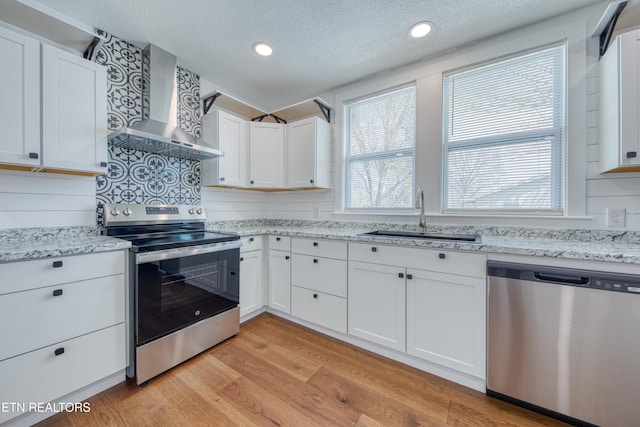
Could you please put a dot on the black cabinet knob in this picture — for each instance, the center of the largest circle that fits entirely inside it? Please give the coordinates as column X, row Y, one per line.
column 57, row 264
column 374, row 249
column 287, row 257
column 315, row 243
column 401, row 275
column 222, row 179
column 315, row 296
column 251, row 239
column 33, row 155
column 251, row 182
column 311, row 181
column 241, row 259
column 631, row 154
column 103, row 164
column 57, row 292
column 315, row 260
column 278, row 239
column 59, row 351
column 441, row 256
column 409, row 276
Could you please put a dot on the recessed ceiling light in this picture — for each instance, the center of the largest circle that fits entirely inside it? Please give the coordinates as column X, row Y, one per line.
column 262, row 49
column 420, row 29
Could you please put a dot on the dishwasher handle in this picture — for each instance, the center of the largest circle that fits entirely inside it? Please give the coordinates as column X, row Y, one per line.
column 559, row 278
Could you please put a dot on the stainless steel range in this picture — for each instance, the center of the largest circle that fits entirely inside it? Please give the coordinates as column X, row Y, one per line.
column 184, row 283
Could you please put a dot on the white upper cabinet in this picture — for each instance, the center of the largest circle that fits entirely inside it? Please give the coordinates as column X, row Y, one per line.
column 266, row 155
column 229, row 134
column 53, row 108
column 20, row 99
column 619, row 74
column 308, row 153
column 74, row 112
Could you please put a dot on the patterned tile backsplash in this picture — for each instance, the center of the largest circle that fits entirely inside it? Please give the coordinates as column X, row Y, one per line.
column 135, row 176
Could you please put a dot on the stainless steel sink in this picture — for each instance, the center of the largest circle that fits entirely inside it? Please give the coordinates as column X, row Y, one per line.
column 423, row 235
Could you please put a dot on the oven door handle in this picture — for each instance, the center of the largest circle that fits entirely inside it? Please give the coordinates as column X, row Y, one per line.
column 146, row 257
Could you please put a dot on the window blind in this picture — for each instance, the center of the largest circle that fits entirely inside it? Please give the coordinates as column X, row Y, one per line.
column 503, row 135
column 379, row 151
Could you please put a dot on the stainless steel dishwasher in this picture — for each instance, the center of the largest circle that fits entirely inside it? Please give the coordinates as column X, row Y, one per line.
column 565, row 342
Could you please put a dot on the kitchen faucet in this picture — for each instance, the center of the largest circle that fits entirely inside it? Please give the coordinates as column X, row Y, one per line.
column 420, row 205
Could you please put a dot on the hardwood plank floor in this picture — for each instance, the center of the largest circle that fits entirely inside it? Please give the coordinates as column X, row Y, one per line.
column 275, row 372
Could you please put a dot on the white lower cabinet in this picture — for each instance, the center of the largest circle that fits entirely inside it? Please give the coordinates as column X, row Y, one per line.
column 436, row 299
column 322, row 309
column 280, row 273
column 62, row 325
column 250, row 276
column 446, row 320
column 377, row 296
column 319, row 282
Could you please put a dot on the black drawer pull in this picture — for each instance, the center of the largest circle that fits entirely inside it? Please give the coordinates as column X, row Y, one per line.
column 232, row 273
column 315, row 243
column 222, row 179
column 315, row 295
column 103, row 164
column 441, row 256
column 315, row 260
column 251, row 239
column 33, row 155
column 250, row 182
column 631, row 154
column 241, row 258
column 409, row 276
column 59, row 351
column 57, row 292
column 286, row 257
column 311, row 181
column 401, row 275
column 57, row 264
column 278, row 239
column 374, row 249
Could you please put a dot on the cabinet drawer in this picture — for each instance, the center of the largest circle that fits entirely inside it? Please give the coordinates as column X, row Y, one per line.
column 444, row 261
column 320, row 274
column 40, row 317
column 319, row 248
column 41, row 376
column 250, row 243
column 280, row 243
column 56, row 270
column 316, row 307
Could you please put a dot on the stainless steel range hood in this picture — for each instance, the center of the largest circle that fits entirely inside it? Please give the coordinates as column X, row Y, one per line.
column 158, row 132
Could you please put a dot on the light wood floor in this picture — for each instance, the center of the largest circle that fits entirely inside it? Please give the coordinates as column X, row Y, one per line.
column 275, row 373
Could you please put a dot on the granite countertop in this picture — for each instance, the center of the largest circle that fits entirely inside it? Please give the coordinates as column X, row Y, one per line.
column 27, row 244
column 620, row 247
column 607, row 246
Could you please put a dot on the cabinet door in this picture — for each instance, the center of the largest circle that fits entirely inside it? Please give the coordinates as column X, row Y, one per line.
column 280, row 280
column 446, row 320
column 250, row 282
column 377, row 304
column 230, row 134
column 266, row 155
column 74, row 112
column 308, row 153
column 20, row 99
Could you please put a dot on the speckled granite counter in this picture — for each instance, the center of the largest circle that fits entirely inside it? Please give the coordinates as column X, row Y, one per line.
column 620, row 247
column 33, row 243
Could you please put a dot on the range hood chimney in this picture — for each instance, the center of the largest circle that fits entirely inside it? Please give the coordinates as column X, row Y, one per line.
column 158, row 131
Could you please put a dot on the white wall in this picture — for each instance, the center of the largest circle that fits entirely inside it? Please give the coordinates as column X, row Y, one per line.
column 228, row 204
column 598, row 192
column 46, row 200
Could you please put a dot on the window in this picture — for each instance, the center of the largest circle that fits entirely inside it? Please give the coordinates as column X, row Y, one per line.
column 379, row 151
column 504, row 135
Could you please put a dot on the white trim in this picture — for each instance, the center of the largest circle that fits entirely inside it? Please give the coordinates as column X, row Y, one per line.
column 428, row 78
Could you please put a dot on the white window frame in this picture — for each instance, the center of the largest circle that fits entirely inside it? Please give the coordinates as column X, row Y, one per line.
column 581, row 57
column 389, row 154
column 519, row 137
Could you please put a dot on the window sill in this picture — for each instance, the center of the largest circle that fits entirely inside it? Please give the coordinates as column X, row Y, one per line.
column 405, row 214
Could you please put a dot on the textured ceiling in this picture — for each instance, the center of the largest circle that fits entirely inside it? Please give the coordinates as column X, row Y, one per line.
column 319, row 45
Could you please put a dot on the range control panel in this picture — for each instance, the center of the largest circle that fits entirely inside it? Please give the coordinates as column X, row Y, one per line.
column 123, row 214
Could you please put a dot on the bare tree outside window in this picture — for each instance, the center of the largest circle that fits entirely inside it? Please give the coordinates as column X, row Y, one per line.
column 380, row 151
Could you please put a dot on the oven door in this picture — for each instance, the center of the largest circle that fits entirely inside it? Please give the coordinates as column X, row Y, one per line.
column 177, row 287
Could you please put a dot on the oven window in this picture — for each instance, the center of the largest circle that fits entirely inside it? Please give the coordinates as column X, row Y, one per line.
column 174, row 293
